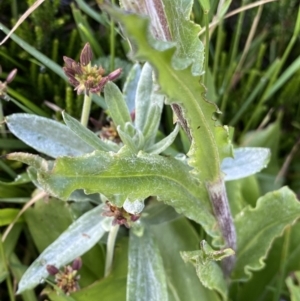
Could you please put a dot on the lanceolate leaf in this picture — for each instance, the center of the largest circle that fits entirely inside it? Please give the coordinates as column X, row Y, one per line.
column 258, row 227
column 128, row 176
column 210, row 142
column 86, row 135
column 146, row 280
column 81, row 236
column 47, row 136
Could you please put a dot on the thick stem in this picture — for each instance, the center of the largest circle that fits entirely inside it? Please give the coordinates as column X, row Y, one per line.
column 86, row 110
column 218, row 197
column 112, row 235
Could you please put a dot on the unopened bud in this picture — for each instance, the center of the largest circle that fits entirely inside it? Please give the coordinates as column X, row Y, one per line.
column 86, row 55
column 115, row 74
column 52, row 270
column 11, row 76
column 77, row 264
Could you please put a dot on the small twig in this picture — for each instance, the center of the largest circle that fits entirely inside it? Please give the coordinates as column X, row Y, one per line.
column 31, row 9
column 25, row 207
column 236, row 11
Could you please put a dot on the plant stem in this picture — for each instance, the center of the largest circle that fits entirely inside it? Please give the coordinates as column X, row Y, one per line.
column 112, row 235
column 218, row 197
column 112, row 42
column 8, row 279
column 86, row 110
column 284, row 257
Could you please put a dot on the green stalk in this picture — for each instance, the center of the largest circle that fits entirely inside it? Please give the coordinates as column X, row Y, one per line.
column 2, row 127
column 112, row 42
column 112, row 235
column 8, row 279
column 206, row 47
column 283, row 261
column 219, row 44
column 86, row 110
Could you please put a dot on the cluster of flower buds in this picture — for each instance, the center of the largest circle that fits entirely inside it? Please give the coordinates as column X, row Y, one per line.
column 3, row 85
column 85, row 77
column 66, row 280
column 120, row 215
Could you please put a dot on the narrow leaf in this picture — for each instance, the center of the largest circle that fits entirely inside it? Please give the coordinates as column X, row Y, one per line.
column 246, row 162
column 46, row 136
column 35, row 53
column 163, row 144
column 116, row 105
column 81, row 236
column 86, row 135
column 143, row 97
column 130, row 86
column 146, row 280
column 258, row 227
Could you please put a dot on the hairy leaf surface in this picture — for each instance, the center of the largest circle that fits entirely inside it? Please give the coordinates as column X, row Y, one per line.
column 126, row 175
column 81, row 236
column 146, row 280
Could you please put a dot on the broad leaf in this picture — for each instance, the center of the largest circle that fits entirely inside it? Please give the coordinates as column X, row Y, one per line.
column 247, row 161
column 257, row 228
column 81, row 236
column 46, row 136
column 183, row 283
column 126, row 175
column 146, row 278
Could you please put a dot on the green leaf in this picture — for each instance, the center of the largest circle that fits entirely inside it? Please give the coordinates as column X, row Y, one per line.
column 86, row 135
column 209, row 272
column 210, row 142
column 46, row 136
column 257, row 228
column 182, row 281
column 128, row 176
column 294, row 288
column 81, row 236
column 8, row 215
column 54, row 217
column 130, row 86
column 247, row 161
column 163, row 144
column 116, row 105
column 146, row 277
